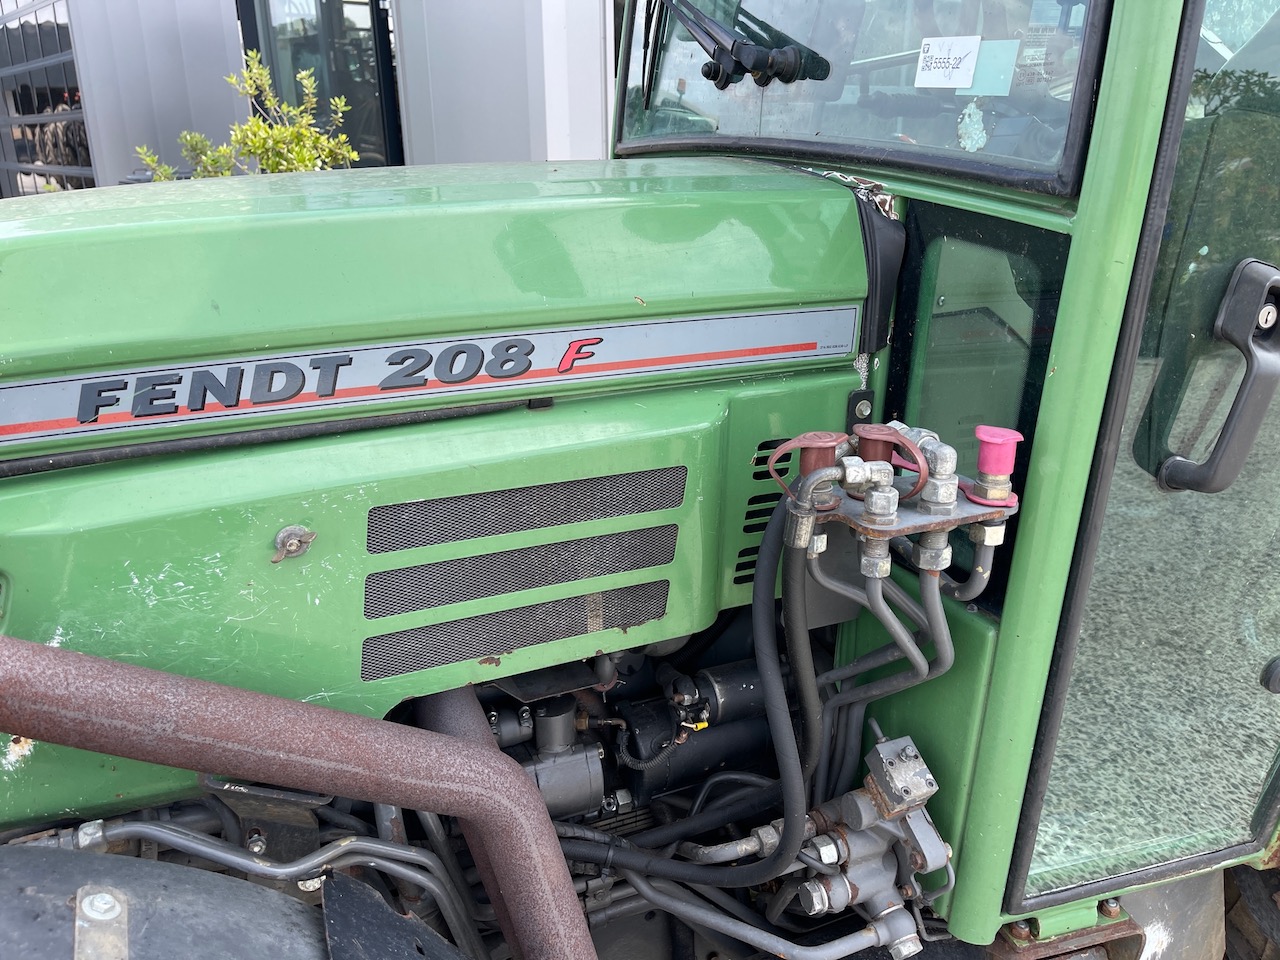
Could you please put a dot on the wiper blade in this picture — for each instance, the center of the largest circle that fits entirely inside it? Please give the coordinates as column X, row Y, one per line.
column 764, row 52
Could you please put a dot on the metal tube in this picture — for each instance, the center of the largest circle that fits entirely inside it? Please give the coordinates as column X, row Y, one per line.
column 116, row 708
column 676, row 901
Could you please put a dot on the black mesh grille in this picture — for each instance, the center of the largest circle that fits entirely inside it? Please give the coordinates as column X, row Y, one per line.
column 426, row 523
column 496, row 634
column 430, row 585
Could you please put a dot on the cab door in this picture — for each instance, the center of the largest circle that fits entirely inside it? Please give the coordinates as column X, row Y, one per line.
column 1158, row 744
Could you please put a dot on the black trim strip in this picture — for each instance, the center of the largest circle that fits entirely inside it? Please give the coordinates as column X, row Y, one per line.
column 1105, row 455
column 220, row 441
column 1065, row 181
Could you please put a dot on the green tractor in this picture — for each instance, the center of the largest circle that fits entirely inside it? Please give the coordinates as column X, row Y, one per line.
column 837, row 523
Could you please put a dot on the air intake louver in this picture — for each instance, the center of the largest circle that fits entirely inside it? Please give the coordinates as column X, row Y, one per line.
column 428, row 523
column 428, row 585
column 568, row 558
column 760, row 505
column 497, row 634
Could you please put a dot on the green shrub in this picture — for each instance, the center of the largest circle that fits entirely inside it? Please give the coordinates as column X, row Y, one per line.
column 277, row 138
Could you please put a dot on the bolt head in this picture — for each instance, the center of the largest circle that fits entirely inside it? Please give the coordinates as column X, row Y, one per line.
column 862, row 410
column 257, row 846
column 987, row 535
column 1020, row 930
column 1109, row 908
column 813, row 898
column 908, row 946
column 825, row 849
column 101, row 906
column 312, row 885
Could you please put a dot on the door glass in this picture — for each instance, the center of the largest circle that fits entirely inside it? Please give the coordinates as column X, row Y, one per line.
column 1168, row 739
column 347, row 44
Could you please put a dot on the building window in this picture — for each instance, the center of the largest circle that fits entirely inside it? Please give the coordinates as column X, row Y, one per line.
column 43, row 141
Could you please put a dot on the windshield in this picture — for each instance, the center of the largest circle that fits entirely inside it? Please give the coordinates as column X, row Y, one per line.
column 983, row 85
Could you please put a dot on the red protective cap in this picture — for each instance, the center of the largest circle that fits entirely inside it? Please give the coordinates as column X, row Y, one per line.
column 997, row 449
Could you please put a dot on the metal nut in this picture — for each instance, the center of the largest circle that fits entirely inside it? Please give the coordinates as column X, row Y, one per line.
column 1021, row 930
column 908, row 946
column 101, row 906
column 312, row 885
column 256, row 845
column 824, row 849
column 292, row 541
column 931, row 558
column 817, row 545
column 880, row 504
column 769, row 837
column 987, row 534
column 812, row 898
column 1109, row 908
column 997, row 489
column 943, row 490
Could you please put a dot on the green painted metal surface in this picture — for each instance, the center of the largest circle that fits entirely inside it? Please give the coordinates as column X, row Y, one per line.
column 207, row 270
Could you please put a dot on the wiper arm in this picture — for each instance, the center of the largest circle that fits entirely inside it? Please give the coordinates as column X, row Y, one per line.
column 767, row 53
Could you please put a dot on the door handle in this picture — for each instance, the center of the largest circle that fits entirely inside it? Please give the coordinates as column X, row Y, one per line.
column 1247, row 319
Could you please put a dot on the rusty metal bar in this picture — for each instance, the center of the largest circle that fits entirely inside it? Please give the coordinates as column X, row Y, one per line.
column 124, row 710
column 457, row 713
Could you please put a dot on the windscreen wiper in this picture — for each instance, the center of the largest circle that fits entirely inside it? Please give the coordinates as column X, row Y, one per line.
column 760, row 49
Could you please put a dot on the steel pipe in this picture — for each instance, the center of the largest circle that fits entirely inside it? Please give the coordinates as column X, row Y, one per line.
column 110, row 707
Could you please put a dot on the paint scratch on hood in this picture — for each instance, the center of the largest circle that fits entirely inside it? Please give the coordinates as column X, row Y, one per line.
column 56, row 639
column 16, row 753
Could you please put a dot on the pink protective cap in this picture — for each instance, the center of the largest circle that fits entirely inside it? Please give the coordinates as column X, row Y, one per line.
column 997, row 448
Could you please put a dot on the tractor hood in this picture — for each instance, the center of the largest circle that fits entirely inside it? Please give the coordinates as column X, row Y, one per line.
column 145, row 313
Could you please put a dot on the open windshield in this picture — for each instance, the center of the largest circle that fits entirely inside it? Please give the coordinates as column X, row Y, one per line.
column 997, row 88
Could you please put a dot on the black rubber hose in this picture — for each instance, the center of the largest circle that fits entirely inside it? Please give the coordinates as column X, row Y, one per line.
column 795, row 623
column 778, row 712
column 759, row 802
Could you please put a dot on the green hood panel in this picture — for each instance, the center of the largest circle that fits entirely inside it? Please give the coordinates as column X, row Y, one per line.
column 123, row 280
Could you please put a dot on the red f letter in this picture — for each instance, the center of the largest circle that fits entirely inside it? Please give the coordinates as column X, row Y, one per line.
column 577, row 351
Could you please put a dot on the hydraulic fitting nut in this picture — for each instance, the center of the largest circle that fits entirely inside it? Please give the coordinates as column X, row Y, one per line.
column 817, row 545
column 941, row 457
column 940, row 491
column 988, row 487
column 908, row 946
column 858, row 473
column 880, row 505
column 812, row 897
column 824, row 849
column 800, row 526
column 874, row 560
column 997, row 450
column 768, row 837
column 927, row 557
column 987, row 534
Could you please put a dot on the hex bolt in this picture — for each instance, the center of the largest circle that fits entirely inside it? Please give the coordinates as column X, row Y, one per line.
column 1267, row 316
column 908, row 946
column 256, row 844
column 101, row 906
column 824, row 849
column 1021, row 930
column 812, row 897
column 312, row 885
column 1109, row 908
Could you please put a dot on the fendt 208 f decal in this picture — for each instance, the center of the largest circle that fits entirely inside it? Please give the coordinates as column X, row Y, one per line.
column 126, row 399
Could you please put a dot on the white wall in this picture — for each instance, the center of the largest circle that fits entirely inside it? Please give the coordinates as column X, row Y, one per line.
column 494, row 80
column 150, row 69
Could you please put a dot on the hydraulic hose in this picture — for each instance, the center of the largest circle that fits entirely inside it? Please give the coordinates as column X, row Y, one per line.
column 979, row 576
column 902, row 637
column 765, row 799
column 795, row 622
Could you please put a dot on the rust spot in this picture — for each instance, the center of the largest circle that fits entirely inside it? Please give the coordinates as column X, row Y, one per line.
column 491, row 661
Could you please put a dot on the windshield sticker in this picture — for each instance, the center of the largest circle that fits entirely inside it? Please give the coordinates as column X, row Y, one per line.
column 363, row 375
column 993, row 75
column 947, row 63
